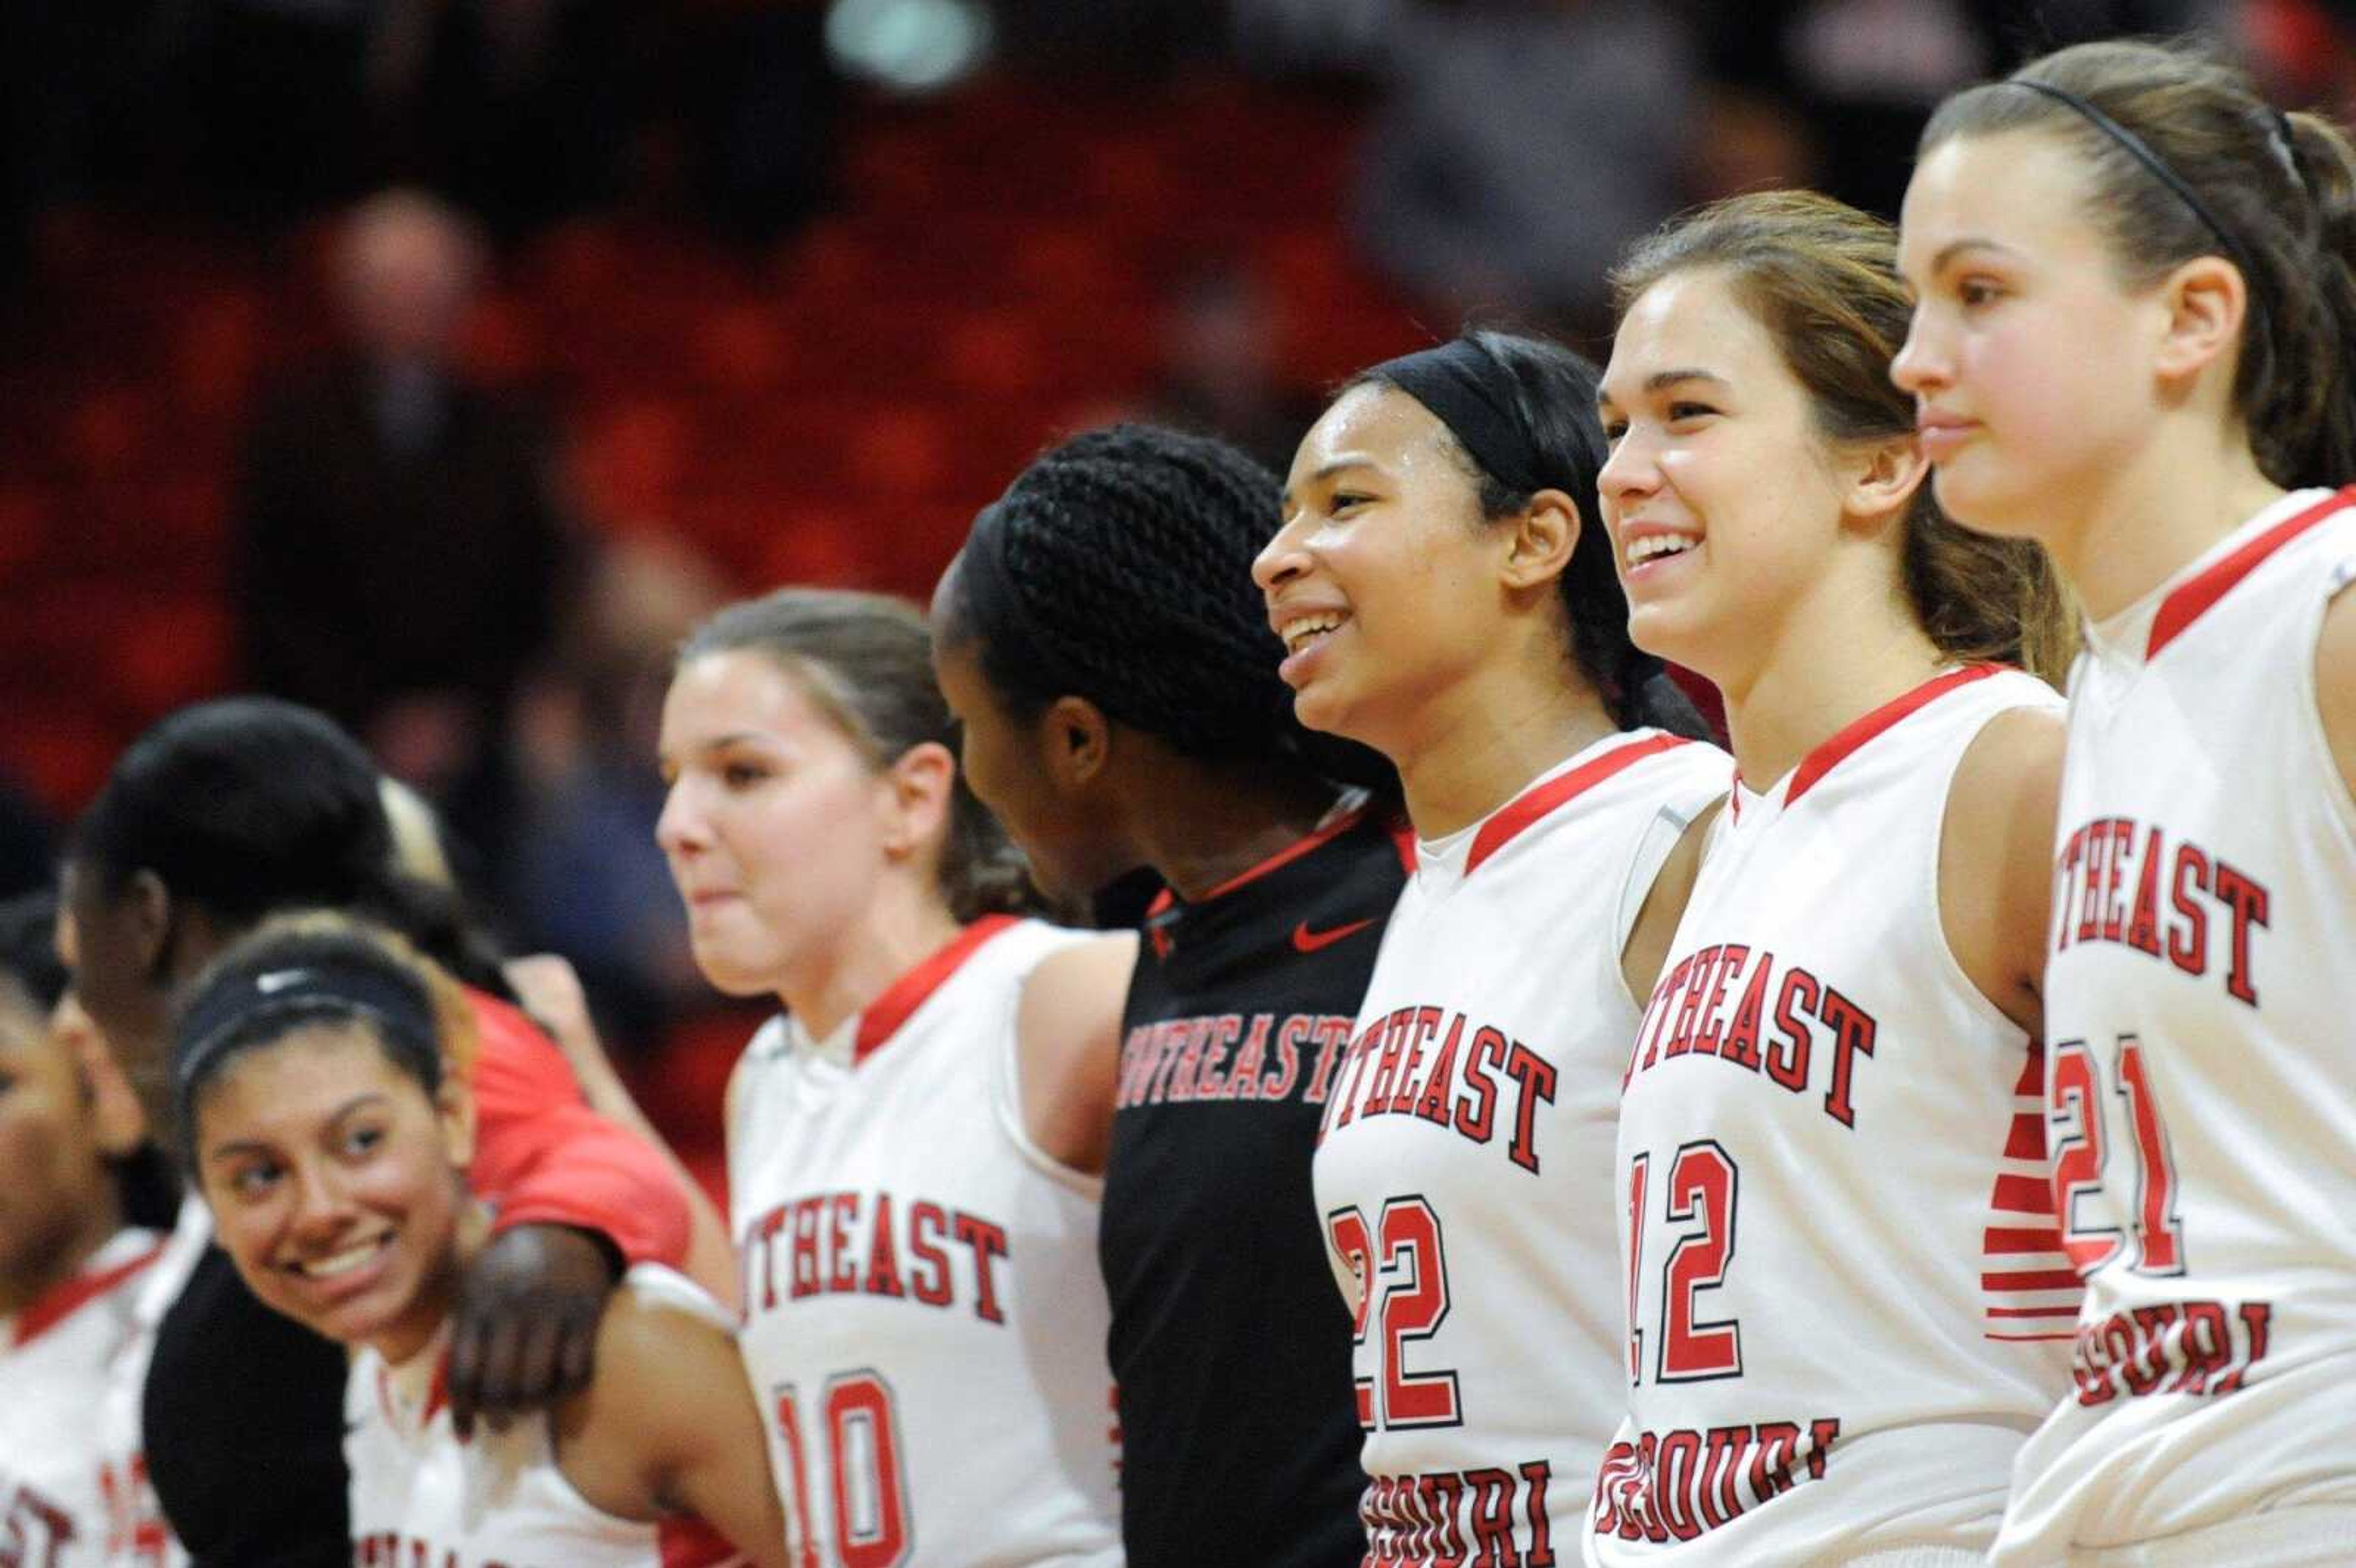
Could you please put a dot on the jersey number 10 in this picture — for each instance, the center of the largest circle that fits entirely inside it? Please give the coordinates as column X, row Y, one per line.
column 870, row 1489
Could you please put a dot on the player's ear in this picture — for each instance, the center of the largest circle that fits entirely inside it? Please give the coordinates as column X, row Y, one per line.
column 1883, row 477
column 919, row 785
column 1075, row 742
column 1543, row 538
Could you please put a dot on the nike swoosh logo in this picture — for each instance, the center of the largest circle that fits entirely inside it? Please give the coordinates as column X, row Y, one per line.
column 1307, row 941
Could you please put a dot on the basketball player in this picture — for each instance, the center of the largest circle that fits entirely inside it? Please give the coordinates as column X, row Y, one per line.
column 319, row 1072
column 218, row 815
column 1843, row 1312
column 914, row 1144
column 69, row 1266
column 1277, row 883
column 2133, row 345
column 1447, row 597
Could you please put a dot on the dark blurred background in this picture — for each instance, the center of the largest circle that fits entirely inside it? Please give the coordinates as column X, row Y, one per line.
column 439, row 362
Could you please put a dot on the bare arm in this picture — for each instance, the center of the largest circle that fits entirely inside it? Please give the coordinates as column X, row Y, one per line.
column 1069, row 1032
column 669, row 1426
column 551, row 993
column 1996, row 860
column 2335, row 683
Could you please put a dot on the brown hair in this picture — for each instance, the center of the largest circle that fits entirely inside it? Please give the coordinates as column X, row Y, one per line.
column 1822, row 278
column 2282, row 188
column 866, row 660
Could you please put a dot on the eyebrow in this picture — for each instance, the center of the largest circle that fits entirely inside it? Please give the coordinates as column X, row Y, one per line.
column 1339, row 465
column 1954, row 247
column 256, row 1145
column 1662, row 380
column 715, row 744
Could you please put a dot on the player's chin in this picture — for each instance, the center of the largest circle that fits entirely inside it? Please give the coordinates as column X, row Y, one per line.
column 1677, row 629
column 1323, row 704
column 1976, row 491
column 731, row 971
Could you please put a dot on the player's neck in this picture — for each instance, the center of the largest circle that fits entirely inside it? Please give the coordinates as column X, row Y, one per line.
column 98, row 1223
column 1824, row 673
column 1201, row 826
column 1480, row 745
column 2148, row 520
column 905, row 924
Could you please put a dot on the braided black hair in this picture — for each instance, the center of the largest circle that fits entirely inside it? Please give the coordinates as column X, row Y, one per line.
column 1550, row 393
column 1123, row 576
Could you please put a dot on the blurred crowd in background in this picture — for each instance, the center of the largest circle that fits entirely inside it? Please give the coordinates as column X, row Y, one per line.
column 439, row 362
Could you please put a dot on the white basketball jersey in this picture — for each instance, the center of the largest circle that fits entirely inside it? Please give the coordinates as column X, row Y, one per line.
column 1846, row 1305
column 139, row 1535
column 499, row 1500
column 62, row 1492
column 1463, row 1169
column 924, row 1321
column 2201, row 1003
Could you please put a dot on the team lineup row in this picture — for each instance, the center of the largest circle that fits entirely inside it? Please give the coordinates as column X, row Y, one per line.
column 1518, row 1131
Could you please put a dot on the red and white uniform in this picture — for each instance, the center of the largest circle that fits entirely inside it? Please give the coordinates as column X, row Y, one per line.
column 2201, row 1000
column 67, row 1499
column 1464, row 1170
column 1846, row 1299
column 499, row 1499
column 924, row 1324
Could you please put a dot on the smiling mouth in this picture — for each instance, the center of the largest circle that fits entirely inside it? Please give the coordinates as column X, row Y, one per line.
column 1653, row 547
column 335, row 1266
column 1299, row 634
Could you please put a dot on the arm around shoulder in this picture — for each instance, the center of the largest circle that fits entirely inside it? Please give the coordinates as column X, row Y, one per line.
column 1069, row 1048
column 1996, row 859
column 670, row 1426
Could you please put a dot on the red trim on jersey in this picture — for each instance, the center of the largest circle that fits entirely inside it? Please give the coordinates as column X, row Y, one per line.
column 1837, row 750
column 437, row 1391
column 685, row 1542
column 1164, row 902
column 1284, row 856
column 1520, row 813
column 886, row 1013
column 70, row 1296
column 2185, row 604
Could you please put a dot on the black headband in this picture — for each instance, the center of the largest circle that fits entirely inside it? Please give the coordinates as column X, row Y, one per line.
column 2143, row 155
column 262, row 1004
column 1453, row 382
column 991, row 595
